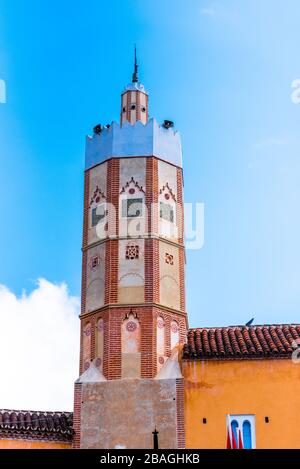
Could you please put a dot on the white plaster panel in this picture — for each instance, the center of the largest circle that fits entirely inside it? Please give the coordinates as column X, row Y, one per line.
column 143, row 99
column 143, row 103
column 95, row 285
column 131, row 335
column 98, row 178
column 160, row 342
column 99, row 343
column 86, row 344
column 174, row 334
column 167, row 183
column 131, row 271
column 167, row 174
column 133, row 167
column 133, row 116
column 169, row 275
column 133, row 112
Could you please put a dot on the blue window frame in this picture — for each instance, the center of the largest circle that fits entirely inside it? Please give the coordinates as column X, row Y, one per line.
column 247, row 438
column 241, row 431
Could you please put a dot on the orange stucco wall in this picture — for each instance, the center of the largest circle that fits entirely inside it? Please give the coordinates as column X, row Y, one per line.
column 32, row 444
column 261, row 387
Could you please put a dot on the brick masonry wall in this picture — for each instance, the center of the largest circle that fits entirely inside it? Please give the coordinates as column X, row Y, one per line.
column 128, row 107
column 84, row 257
column 113, row 175
column 182, row 278
column 106, row 349
column 152, row 245
column 138, row 106
column 112, row 245
column 77, row 415
column 111, row 271
column 180, row 211
column 113, row 316
column 152, row 275
column 180, row 413
column 152, row 192
column 86, row 208
column 85, row 239
column 180, row 219
column 82, row 324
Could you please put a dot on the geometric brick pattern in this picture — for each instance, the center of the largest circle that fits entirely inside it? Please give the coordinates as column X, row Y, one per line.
column 113, row 317
column 77, row 415
column 113, row 313
column 180, row 413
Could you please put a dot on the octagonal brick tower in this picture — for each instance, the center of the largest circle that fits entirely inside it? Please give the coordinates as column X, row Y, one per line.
column 133, row 315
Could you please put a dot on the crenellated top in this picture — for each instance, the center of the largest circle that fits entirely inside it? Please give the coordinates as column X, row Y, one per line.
column 130, row 140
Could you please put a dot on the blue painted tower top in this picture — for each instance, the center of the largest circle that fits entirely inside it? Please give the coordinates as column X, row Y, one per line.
column 136, row 135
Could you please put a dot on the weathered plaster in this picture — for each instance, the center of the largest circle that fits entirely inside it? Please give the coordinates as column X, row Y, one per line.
column 131, row 274
column 125, row 413
column 95, row 286
column 169, row 275
column 98, row 178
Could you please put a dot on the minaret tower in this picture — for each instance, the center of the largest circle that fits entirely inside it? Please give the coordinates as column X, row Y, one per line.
column 133, row 316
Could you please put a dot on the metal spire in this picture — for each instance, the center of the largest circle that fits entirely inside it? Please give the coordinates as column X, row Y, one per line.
column 135, row 73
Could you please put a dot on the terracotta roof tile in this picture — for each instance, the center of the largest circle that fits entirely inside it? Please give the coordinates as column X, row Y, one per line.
column 242, row 342
column 22, row 424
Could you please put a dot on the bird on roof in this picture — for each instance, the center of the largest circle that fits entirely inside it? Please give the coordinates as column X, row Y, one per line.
column 249, row 323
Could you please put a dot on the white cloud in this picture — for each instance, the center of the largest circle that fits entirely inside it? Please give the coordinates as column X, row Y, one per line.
column 269, row 142
column 207, row 11
column 39, row 347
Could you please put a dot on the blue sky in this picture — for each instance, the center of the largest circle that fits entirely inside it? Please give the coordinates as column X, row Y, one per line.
column 223, row 72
